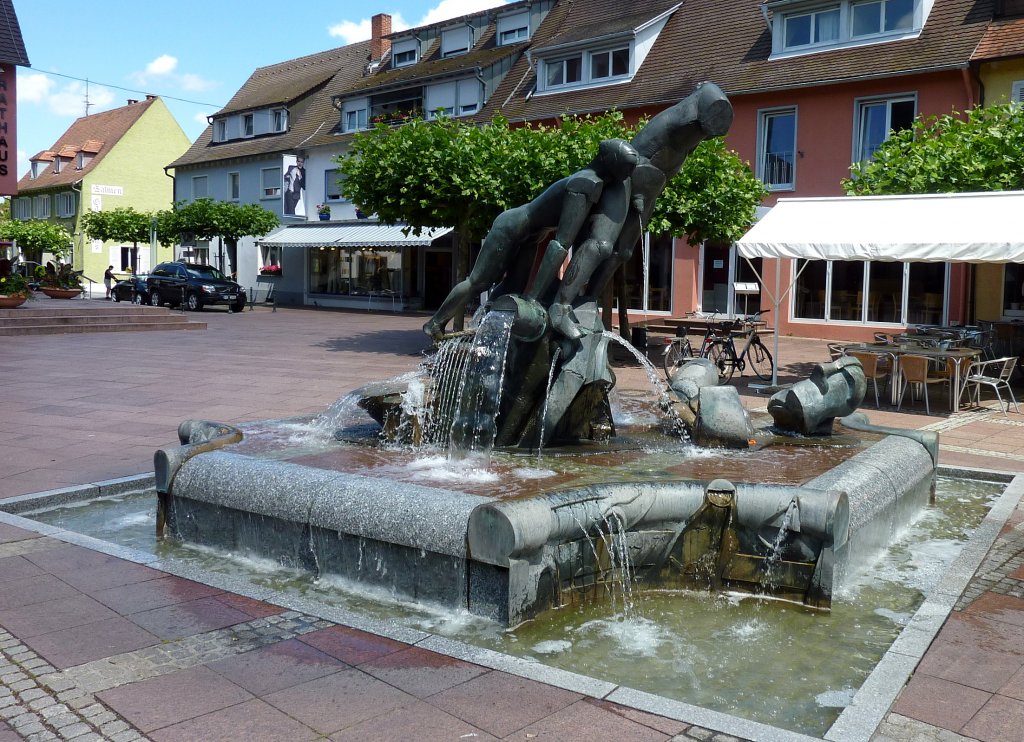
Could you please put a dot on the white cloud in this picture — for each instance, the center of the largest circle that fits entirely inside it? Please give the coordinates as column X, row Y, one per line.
column 195, row 83
column 70, row 100
column 165, row 64
column 34, row 88
column 454, row 8
column 352, row 31
column 200, row 118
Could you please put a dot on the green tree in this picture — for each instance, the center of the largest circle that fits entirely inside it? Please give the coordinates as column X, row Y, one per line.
column 119, row 225
column 449, row 174
column 205, row 219
column 982, row 150
column 37, row 236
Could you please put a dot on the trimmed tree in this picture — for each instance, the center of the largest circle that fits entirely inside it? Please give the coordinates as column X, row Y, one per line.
column 204, row 219
column 450, row 174
column 982, row 150
column 119, row 225
column 36, row 236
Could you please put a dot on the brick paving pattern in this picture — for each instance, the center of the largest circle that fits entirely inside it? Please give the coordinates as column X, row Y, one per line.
column 93, row 647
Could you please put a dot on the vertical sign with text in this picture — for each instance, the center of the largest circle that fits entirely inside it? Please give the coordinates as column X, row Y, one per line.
column 8, row 130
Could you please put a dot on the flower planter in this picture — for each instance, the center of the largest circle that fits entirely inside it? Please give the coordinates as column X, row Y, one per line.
column 324, row 217
column 10, row 302
column 55, row 293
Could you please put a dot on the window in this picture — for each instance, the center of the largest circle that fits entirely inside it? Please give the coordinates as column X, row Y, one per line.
column 870, row 292
column 403, row 52
column 280, row 118
column 877, row 119
column 38, row 167
column 22, row 209
column 220, row 130
column 57, row 164
column 513, row 28
column 456, row 41
column 881, row 16
column 270, row 260
column 234, row 186
column 776, row 152
column 1017, row 92
column 459, row 98
column 816, row 27
column 332, row 185
column 247, row 125
column 355, row 120
column 65, row 204
column 564, row 71
column 84, row 158
column 609, row 64
column 271, row 182
column 347, row 271
column 200, row 187
column 41, row 207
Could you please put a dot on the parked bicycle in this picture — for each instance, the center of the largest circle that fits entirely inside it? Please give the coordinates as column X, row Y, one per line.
column 722, row 351
column 678, row 350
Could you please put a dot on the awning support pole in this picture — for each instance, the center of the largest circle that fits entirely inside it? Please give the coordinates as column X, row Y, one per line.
column 776, row 302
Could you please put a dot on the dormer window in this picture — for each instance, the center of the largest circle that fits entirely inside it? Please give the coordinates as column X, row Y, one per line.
column 280, row 119
column 568, row 71
column 803, row 27
column 220, row 130
column 613, row 63
column 456, row 41
column 881, row 16
column 83, row 159
column 56, row 165
column 404, row 52
column 38, row 166
column 354, row 115
column 247, row 125
column 514, row 28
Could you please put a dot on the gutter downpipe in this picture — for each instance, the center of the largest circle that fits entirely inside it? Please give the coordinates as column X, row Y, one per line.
column 764, row 14
column 81, row 235
column 174, row 200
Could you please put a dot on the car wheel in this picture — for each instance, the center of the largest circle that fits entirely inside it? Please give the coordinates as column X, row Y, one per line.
column 115, row 296
column 154, row 298
column 194, row 303
column 138, row 298
column 238, row 306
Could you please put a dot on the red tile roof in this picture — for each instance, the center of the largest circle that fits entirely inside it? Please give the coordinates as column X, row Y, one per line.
column 1003, row 38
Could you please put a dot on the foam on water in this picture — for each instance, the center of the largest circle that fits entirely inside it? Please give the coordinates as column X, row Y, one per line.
column 526, row 472
column 443, row 469
column 552, row 646
column 636, row 637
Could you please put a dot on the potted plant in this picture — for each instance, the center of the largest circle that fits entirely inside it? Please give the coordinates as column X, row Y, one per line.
column 323, row 211
column 270, row 270
column 14, row 287
column 59, row 280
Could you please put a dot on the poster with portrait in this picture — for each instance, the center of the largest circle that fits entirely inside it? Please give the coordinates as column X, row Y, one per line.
column 293, row 170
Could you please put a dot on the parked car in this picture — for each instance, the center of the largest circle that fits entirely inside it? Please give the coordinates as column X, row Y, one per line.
column 196, row 285
column 133, row 289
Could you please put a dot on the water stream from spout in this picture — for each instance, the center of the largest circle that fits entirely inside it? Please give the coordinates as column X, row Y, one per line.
column 547, row 394
column 770, row 576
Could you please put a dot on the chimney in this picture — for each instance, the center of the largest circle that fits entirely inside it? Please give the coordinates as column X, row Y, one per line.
column 150, row 97
column 132, row 101
column 380, row 26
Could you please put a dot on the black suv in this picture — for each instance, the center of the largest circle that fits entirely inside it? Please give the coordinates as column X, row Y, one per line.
column 195, row 285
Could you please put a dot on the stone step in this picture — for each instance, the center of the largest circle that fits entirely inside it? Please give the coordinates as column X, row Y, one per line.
column 7, row 330
column 49, row 317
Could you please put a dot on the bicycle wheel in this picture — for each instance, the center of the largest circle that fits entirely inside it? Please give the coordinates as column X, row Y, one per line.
column 721, row 354
column 760, row 360
column 676, row 354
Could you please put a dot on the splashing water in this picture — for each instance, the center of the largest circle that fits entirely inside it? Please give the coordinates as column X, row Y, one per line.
column 770, row 578
column 657, row 383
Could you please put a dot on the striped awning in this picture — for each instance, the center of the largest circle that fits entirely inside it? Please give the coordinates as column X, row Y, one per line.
column 349, row 234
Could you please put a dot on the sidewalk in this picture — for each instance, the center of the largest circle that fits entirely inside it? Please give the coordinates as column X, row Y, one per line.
column 102, row 648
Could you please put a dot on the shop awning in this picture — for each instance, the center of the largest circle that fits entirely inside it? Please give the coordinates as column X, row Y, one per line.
column 958, row 227
column 348, row 234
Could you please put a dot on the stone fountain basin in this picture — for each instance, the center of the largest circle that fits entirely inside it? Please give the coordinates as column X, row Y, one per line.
column 509, row 559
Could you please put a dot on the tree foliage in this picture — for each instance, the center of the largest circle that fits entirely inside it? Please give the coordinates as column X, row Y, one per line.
column 118, row 225
column 37, row 236
column 205, row 219
column 982, row 150
column 446, row 173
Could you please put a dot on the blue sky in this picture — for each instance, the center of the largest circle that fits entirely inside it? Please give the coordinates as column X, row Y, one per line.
column 196, row 51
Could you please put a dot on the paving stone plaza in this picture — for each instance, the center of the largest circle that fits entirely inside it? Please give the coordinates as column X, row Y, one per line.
column 96, row 646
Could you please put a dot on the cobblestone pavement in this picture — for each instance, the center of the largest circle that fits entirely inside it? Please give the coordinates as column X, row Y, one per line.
column 93, row 647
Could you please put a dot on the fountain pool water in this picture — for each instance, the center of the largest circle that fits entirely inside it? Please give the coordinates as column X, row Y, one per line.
column 758, row 658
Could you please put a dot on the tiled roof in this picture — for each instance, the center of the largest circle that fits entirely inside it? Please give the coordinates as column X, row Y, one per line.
column 311, row 115
column 728, row 43
column 509, row 7
column 104, row 128
column 568, row 34
column 12, row 46
column 287, row 81
column 1003, row 38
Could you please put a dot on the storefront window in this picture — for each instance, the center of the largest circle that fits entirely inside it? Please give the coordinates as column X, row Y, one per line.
column 270, row 260
column 847, row 299
column 812, row 277
column 1013, row 287
column 885, row 292
column 654, row 294
column 926, row 293
column 347, row 271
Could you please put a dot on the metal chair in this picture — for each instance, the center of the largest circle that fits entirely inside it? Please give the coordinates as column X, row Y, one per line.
column 876, row 366
column 995, row 374
column 915, row 370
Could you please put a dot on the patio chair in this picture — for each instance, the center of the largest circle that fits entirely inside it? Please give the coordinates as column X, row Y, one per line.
column 876, row 366
column 916, row 370
column 835, row 350
column 955, row 370
column 995, row 374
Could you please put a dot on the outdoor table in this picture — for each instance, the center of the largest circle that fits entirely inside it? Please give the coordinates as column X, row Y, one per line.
column 939, row 354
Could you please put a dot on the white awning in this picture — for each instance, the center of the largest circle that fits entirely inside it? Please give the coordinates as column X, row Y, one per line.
column 348, row 234
column 958, row 227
